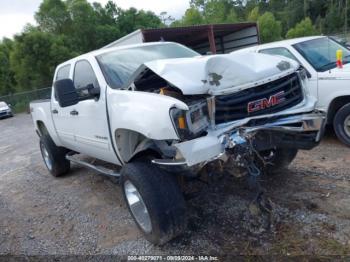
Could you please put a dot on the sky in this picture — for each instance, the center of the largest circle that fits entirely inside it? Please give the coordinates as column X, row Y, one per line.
column 15, row 14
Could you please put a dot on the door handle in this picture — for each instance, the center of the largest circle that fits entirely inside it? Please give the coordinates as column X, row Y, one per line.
column 74, row 112
column 55, row 111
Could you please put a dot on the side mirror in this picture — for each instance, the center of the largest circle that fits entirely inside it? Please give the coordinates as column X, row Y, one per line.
column 66, row 93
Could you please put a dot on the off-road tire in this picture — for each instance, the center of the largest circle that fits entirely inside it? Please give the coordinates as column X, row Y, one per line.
column 281, row 160
column 341, row 116
column 162, row 197
column 59, row 164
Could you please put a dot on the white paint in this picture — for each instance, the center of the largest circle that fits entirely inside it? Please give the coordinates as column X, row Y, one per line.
column 237, row 72
column 325, row 86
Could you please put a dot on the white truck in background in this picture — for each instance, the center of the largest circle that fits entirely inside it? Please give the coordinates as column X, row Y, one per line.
column 328, row 83
column 163, row 112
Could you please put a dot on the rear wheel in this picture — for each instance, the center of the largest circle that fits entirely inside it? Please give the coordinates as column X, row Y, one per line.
column 54, row 157
column 341, row 124
column 278, row 159
column 154, row 200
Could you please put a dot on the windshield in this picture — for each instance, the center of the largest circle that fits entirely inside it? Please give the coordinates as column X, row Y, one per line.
column 321, row 53
column 119, row 65
column 2, row 104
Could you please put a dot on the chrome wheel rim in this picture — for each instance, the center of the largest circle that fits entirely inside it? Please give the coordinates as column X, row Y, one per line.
column 137, row 206
column 46, row 156
column 347, row 125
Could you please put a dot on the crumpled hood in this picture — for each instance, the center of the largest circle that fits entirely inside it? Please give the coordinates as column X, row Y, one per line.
column 218, row 74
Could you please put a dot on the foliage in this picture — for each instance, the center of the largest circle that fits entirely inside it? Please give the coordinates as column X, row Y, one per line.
column 209, row 12
column 192, row 17
column 304, row 28
column 66, row 28
column 53, row 17
column 253, row 15
column 7, row 81
column 34, row 57
column 270, row 29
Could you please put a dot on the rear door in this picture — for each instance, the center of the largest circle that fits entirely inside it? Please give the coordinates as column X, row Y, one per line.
column 62, row 118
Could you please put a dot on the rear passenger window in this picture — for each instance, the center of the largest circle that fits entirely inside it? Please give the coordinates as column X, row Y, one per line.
column 63, row 72
column 84, row 75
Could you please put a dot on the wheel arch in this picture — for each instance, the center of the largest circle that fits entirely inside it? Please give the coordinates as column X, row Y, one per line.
column 132, row 144
column 335, row 105
column 41, row 128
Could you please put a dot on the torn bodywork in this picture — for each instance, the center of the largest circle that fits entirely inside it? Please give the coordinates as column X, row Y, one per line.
column 242, row 109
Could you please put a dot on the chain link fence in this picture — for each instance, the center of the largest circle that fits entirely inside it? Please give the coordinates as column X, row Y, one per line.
column 20, row 101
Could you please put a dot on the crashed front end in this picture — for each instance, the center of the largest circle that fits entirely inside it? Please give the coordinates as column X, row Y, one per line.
column 275, row 112
column 291, row 129
column 239, row 105
column 299, row 126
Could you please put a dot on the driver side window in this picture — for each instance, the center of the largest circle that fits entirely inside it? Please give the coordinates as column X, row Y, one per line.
column 84, row 75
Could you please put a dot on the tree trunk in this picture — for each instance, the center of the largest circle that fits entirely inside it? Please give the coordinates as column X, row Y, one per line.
column 346, row 20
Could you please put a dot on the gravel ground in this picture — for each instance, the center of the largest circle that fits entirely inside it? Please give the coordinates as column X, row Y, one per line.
column 84, row 213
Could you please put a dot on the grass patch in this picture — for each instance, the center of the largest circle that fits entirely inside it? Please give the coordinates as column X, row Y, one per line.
column 290, row 241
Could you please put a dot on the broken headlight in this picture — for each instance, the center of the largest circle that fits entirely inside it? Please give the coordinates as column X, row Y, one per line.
column 192, row 123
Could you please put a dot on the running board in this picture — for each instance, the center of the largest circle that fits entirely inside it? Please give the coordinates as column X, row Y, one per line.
column 100, row 169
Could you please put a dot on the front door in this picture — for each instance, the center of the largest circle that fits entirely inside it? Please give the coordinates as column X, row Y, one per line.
column 91, row 123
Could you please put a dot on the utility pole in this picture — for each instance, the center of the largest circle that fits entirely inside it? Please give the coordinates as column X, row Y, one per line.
column 305, row 8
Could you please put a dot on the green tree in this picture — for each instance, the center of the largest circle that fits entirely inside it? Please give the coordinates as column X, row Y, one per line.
column 254, row 14
column 209, row 12
column 334, row 21
column 219, row 11
column 132, row 19
column 34, row 58
column 53, row 17
column 7, row 81
column 304, row 28
column 270, row 29
column 192, row 16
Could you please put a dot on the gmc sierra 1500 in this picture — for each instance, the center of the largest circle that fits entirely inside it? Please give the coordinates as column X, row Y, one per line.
column 162, row 111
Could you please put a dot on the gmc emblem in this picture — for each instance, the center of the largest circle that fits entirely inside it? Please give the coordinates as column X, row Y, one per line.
column 264, row 103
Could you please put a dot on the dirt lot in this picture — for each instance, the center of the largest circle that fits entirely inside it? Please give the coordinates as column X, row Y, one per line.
column 83, row 213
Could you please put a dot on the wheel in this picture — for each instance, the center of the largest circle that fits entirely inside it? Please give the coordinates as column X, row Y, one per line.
column 341, row 124
column 278, row 159
column 54, row 157
column 154, row 200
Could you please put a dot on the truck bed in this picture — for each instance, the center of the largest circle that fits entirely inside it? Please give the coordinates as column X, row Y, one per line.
column 40, row 101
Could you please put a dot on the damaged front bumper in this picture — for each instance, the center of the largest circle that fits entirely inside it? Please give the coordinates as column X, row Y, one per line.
column 301, row 131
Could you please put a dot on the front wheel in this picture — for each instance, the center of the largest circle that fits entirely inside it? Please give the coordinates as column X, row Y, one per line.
column 341, row 124
column 154, row 200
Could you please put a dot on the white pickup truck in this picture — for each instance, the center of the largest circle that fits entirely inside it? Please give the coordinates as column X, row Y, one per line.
column 328, row 83
column 163, row 112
